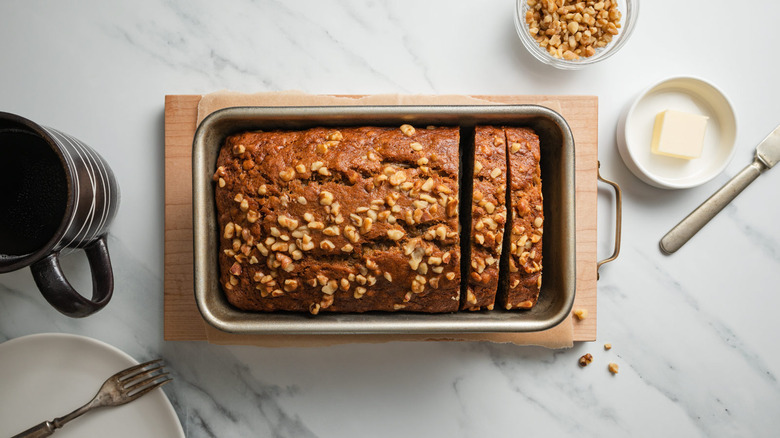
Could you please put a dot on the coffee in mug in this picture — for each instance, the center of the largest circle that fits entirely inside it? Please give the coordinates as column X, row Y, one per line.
column 57, row 195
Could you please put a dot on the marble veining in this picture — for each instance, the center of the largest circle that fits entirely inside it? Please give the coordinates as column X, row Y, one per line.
column 694, row 334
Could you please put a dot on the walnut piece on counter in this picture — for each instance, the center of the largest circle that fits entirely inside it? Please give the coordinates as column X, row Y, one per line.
column 585, row 359
column 613, row 367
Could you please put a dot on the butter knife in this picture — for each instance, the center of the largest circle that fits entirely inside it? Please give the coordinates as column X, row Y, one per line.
column 767, row 155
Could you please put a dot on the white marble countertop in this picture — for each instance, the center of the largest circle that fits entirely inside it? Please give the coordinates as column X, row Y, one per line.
column 694, row 333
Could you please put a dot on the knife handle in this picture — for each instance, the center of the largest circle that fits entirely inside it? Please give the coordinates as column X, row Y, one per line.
column 682, row 232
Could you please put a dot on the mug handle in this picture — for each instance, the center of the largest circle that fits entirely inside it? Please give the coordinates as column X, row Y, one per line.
column 58, row 291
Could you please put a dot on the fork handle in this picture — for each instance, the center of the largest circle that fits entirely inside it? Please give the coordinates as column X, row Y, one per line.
column 46, row 428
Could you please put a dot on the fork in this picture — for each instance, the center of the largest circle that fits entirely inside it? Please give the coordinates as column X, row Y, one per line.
column 123, row 387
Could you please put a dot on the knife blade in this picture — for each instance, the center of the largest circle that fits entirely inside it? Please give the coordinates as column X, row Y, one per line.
column 767, row 155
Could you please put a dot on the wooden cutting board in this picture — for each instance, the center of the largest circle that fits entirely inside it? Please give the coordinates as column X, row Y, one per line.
column 182, row 320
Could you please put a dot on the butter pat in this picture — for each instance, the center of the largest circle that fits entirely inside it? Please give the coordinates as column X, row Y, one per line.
column 679, row 134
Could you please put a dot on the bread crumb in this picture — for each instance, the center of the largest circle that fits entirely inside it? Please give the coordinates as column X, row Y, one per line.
column 613, row 367
column 581, row 314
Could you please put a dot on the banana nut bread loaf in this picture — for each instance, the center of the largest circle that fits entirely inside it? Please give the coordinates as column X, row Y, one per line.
column 342, row 220
column 526, row 220
column 488, row 217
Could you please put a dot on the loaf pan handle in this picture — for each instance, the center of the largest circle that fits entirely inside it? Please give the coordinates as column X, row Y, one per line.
column 618, row 221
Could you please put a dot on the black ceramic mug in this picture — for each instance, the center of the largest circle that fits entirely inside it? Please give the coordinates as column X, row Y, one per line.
column 56, row 195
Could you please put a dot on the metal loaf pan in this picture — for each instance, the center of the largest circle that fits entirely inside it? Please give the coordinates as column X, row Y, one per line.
column 557, row 162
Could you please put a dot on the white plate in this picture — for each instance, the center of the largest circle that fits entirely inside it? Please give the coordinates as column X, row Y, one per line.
column 48, row 375
column 693, row 95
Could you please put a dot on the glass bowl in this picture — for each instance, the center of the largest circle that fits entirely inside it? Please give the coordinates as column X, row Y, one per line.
column 630, row 13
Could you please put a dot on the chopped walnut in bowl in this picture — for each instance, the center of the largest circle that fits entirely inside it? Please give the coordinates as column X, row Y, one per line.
column 570, row 34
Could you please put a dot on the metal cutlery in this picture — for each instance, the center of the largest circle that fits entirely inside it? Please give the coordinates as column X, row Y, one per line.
column 767, row 155
column 123, row 387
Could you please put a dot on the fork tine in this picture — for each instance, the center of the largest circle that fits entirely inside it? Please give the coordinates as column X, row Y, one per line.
column 130, row 384
column 153, row 384
column 132, row 370
column 141, row 374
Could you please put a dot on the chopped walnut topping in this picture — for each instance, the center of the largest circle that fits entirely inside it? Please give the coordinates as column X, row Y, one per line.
column 515, row 147
column 279, row 246
column 452, row 207
column 366, row 225
column 287, row 222
column 370, row 264
column 331, row 231
column 441, row 232
column 351, row 233
column 428, row 198
column 287, row 174
column 395, row 234
column 290, row 285
column 416, row 146
column 417, row 287
column 441, row 188
column 326, row 197
column 330, row 287
column 397, row 178
column 357, row 220
column 408, row 130
column 315, row 225
column 230, row 229
column 335, row 136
